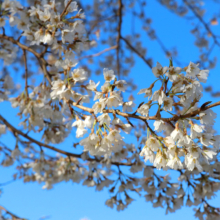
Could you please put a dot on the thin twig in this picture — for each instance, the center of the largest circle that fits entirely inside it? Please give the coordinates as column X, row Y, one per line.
column 120, row 5
column 65, row 9
column 202, row 21
column 26, row 72
column 37, row 55
column 99, row 53
column 18, row 132
column 127, row 115
column 137, row 52
column 10, row 213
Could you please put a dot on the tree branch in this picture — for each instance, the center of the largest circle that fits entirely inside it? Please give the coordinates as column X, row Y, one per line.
column 202, row 21
column 137, row 52
column 120, row 5
column 69, row 154
column 99, row 53
column 37, row 55
column 10, row 213
column 65, row 9
column 127, row 115
column 26, row 72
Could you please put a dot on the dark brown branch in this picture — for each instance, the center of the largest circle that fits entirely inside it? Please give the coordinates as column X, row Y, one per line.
column 202, row 21
column 99, row 53
column 26, row 72
column 137, row 52
column 10, row 213
column 120, row 5
column 127, row 115
column 37, row 55
column 65, row 9
column 18, row 132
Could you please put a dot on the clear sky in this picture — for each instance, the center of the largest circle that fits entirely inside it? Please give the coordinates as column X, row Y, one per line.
column 67, row 201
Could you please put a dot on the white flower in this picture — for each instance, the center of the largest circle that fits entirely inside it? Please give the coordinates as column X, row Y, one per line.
column 72, row 7
column 108, row 75
column 159, row 70
column 47, row 38
column 203, row 75
column 195, row 130
column 79, row 75
column 206, row 139
column 44, row 15
column 148, row 154
column 170, row 144
column 207, row 117
column 92, row 86
column 119, row 124
column 175, row 163
column 153, row 143
column 114, row 100
column 98, row 95
column 159, row 125
column 89, row 121
column 39, row 35
column 80, row 128
column 121, row 85
column 116, row 139
column 147, row 92
column 192, row 70
column 144, row 109
column 104, row 118
column 173, row 73
column 208, row 154
column 91, row 144
column 192, row 162
column 98, row 107
column 159, row 96
column 185, row 141
column 58, row 88
column 216, row 140
column 68, row 93
column 67, row 36
column 167, row 104
column 127, row 106
column 177, row 133
column 106, row 87
column 160, row 160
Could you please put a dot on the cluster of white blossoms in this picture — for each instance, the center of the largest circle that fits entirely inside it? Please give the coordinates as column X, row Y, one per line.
column 186, row 143
column 187, row 140
column 192, row 140
column 44, row 24
column 104, row 137
column 101, row 119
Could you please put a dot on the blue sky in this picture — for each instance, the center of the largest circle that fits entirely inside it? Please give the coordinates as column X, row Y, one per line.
column 73, row 201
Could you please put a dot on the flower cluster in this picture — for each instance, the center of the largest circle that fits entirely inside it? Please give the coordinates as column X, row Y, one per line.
column 192, row 138
column 99, row 114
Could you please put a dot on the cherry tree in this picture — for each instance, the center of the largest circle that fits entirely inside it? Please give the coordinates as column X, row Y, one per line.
column 50, row 42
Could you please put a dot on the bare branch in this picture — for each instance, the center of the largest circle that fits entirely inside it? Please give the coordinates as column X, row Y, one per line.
column 65, row 9
column 119, row 35
column 202, row 21
column 69, row 154
column 99, row 53
column 26, row 72
column 15, row 217
column 137, row 52
column 37, row 55
column 127, row 115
